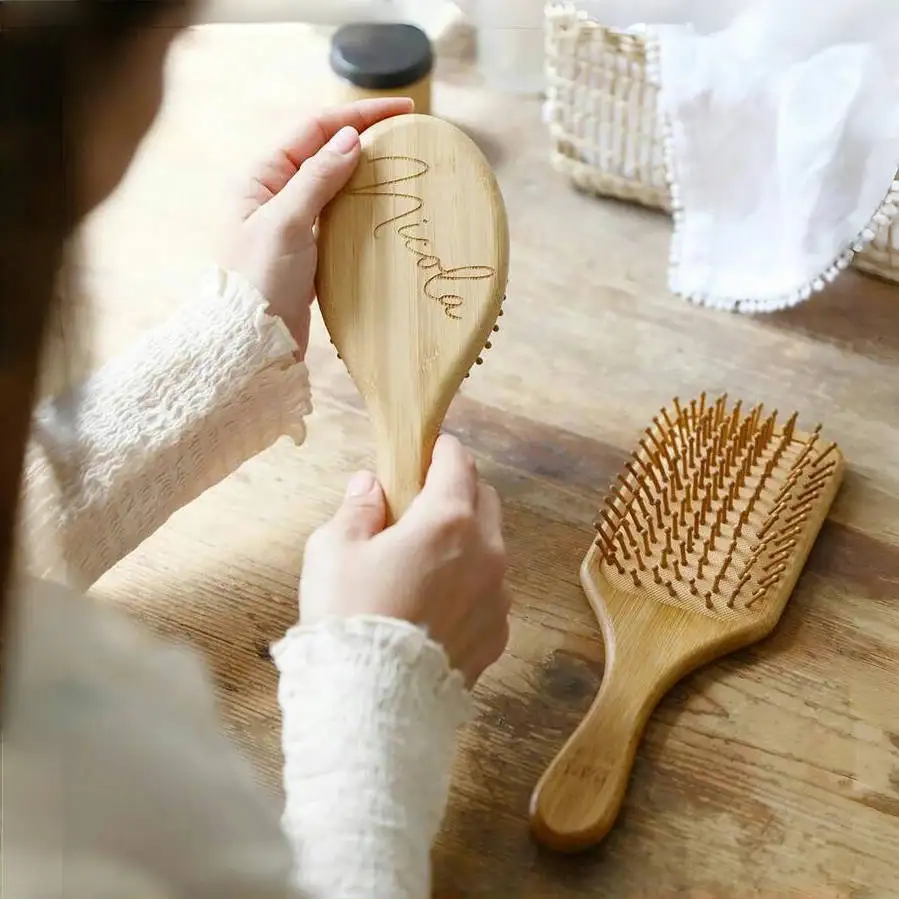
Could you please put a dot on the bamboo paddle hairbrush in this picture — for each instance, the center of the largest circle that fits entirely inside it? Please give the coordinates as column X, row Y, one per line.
column 413, row 261
column 698, row 548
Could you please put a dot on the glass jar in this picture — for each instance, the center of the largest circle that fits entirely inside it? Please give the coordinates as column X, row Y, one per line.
column 383, row 59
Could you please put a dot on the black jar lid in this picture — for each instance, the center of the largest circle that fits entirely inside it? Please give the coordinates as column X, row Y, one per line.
column 381, row 55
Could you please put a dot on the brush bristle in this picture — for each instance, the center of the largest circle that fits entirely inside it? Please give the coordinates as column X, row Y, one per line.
column 710, row 509
column 489, row 344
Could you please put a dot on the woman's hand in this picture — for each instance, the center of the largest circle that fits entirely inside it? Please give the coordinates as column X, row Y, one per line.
column 273, row 245
column 441, row 566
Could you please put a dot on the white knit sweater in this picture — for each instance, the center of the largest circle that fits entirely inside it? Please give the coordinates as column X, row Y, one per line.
column 117, row 780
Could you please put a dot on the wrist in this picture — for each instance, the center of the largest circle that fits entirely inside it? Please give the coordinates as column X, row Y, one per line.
column 296, row 325
column 293, row 325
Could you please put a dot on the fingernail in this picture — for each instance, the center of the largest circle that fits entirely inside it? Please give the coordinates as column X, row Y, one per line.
column 344, row 141
column 361, row 483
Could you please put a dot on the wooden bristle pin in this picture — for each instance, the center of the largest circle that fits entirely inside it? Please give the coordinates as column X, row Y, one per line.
column 730, row 506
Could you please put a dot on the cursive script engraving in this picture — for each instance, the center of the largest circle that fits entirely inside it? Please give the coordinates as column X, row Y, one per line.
column 439, row 285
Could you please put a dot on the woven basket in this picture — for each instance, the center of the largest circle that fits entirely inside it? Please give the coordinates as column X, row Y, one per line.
column 601, row 111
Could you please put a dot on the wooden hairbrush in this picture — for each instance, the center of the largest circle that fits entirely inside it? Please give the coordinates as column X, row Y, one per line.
column 413, row 262
column 698, row 548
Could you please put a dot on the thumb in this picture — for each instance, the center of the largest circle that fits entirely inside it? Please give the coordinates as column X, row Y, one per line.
column 318, row 180
column 363, row 513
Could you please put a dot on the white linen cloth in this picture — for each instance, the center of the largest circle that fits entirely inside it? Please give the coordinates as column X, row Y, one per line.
column 782, row 124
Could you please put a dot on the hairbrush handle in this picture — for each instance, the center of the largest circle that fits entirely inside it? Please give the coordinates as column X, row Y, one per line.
column 403, row 457
column 578, row 798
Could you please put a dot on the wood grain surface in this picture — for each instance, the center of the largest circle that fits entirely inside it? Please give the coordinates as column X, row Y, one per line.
column 413, row 260
column 773, row 773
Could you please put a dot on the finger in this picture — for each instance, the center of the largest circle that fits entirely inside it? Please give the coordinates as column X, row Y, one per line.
column 503, row 634
column 361, row 115
column 489, row 649
column 363, row 513
column 316, row 183
column 452, row 474
column 506, row 601
column 490, row 513
column 275, row 172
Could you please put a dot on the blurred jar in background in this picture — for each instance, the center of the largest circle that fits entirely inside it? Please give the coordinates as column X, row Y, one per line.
column 508, row 34
column 382, row 59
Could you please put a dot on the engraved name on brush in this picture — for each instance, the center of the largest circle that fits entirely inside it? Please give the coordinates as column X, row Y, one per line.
column 411, row 227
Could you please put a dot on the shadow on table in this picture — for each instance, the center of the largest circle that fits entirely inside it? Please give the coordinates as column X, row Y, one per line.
column 858, row 313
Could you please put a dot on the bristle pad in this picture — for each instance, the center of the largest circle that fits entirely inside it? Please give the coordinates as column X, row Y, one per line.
column 710, row 509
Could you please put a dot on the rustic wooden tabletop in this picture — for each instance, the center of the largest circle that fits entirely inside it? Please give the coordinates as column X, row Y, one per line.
column 772, row 773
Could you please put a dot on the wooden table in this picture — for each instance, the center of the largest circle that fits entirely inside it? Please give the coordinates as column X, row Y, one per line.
column 774, row 773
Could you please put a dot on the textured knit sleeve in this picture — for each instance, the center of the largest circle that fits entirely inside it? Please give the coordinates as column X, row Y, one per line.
column 370, row 711
column 177, row 412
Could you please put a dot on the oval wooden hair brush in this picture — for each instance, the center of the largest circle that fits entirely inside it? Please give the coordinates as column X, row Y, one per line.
column 698, row 548
column 413, row 262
